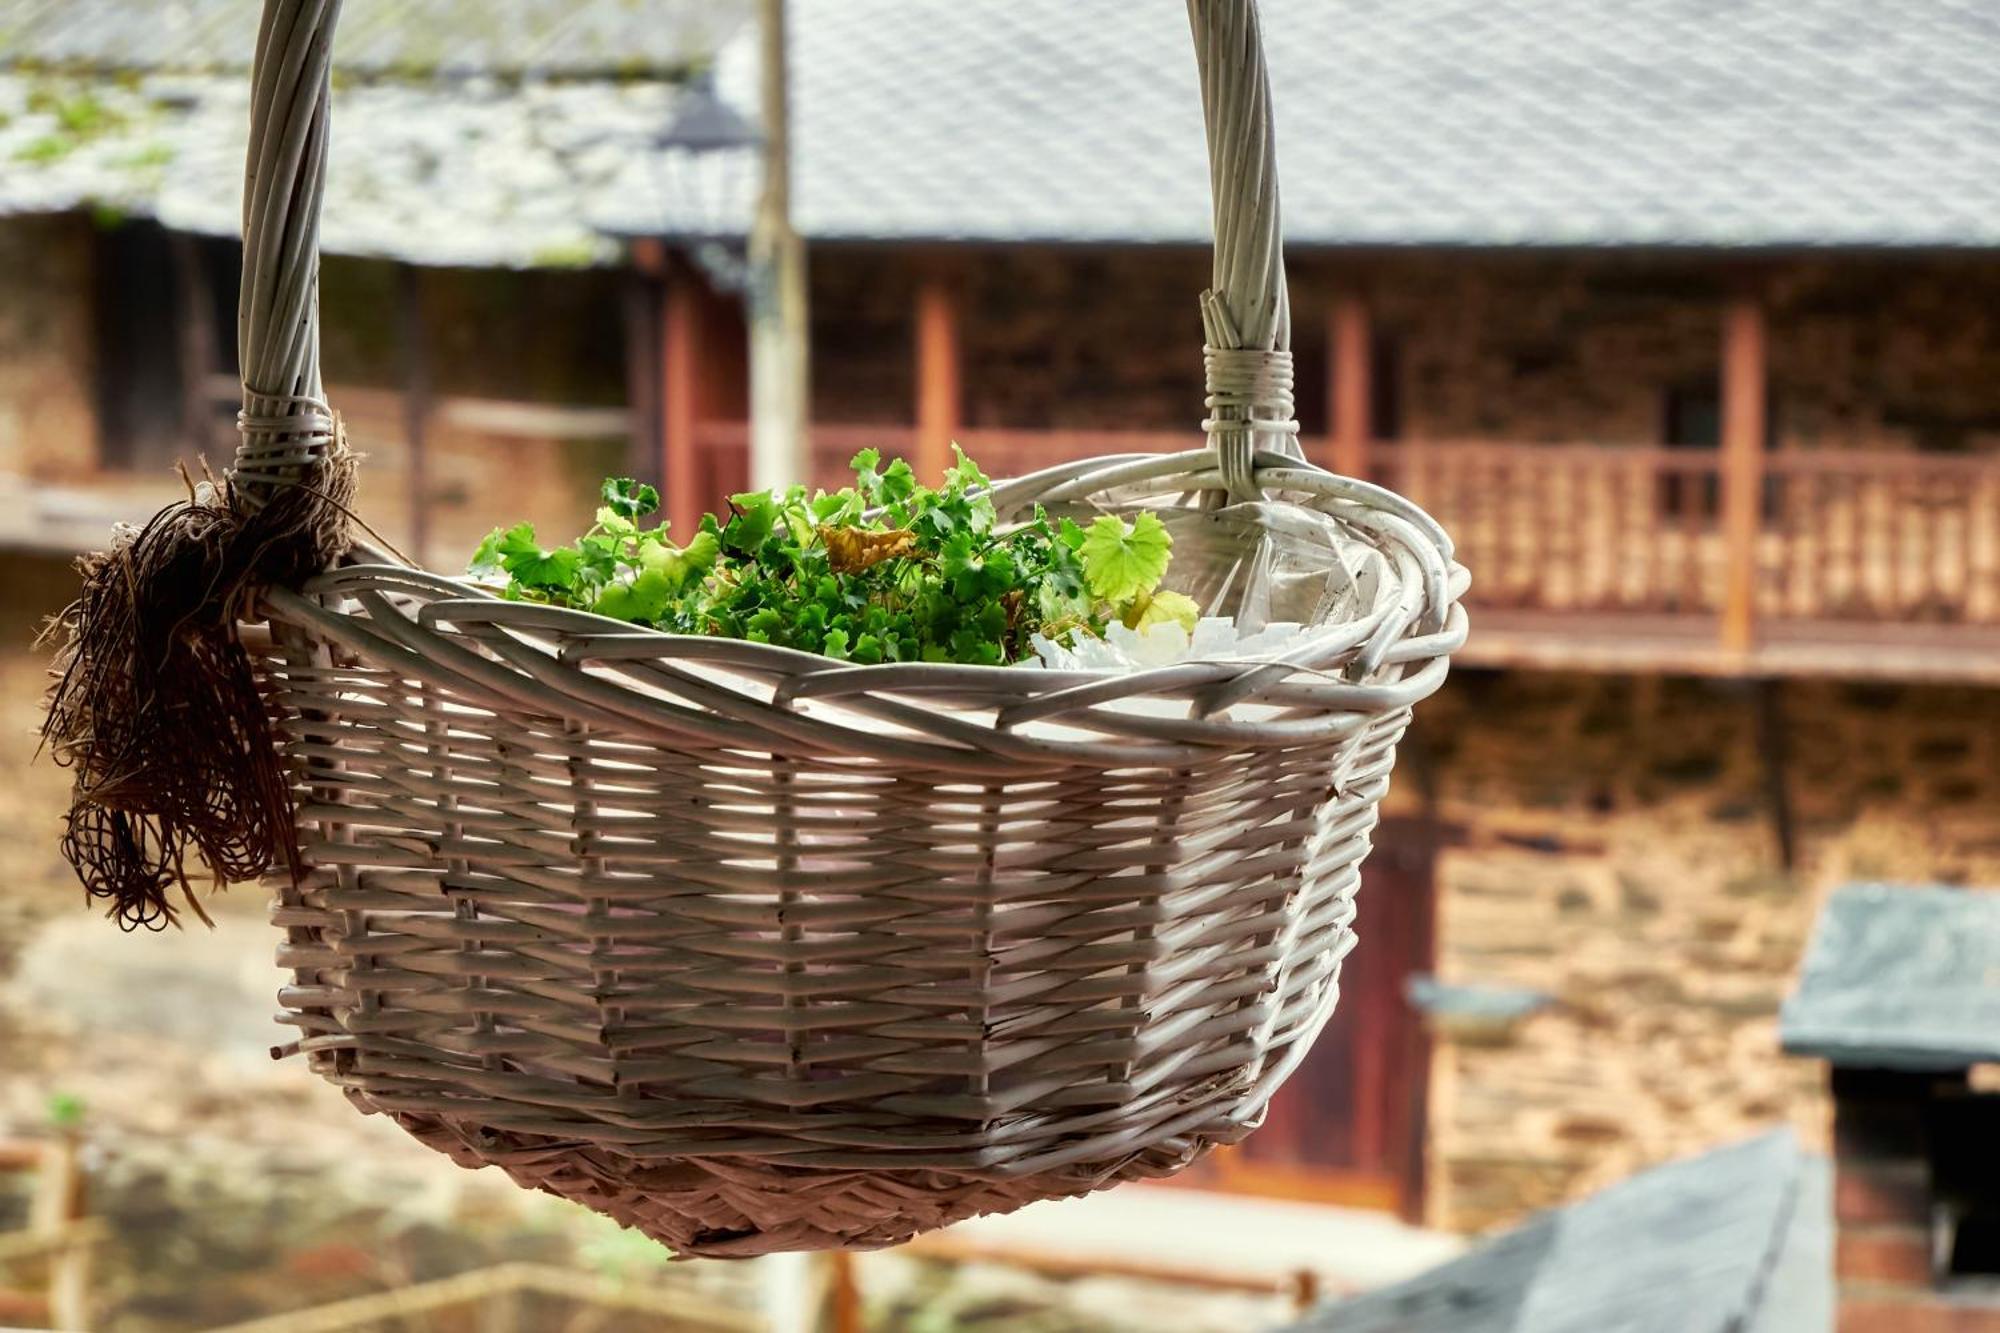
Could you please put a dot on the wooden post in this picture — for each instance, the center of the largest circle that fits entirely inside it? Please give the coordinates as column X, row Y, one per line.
column 780, row 378
column 844, row 1294
column 1352, row 377
column 937, row 376
column 416, row 408
column 58, row 1204
column 1743, row 390
column 680, row 323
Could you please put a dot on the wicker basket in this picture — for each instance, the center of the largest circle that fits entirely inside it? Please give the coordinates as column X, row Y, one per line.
column 756, row 950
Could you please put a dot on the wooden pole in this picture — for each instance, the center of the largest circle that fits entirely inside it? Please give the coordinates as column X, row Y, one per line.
column 58, row 1205
column 1743, row 415
column 780, row 381
column 1352, row 376
column 416, row 408
column 937, row 376
column 844, row 1294
column 680, row 326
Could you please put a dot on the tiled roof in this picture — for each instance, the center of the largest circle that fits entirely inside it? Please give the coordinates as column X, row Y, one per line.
column 564, row 38
column 487, row 134
column 1411, row 122
column 1900, row 978
column 1734, row 1241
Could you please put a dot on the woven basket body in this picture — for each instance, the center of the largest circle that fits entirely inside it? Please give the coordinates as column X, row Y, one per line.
column 756, row 950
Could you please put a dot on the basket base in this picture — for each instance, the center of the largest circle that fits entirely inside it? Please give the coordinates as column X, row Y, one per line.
column 741, row 1207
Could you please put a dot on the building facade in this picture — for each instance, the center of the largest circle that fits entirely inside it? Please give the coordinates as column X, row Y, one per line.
column 1731, row 500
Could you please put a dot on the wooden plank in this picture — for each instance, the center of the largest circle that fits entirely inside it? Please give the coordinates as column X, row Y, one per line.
column 23, row 1308
column 938, row 387
column 1056, row 1263
column 1352, row 376
column 1743, row 394
column 1687, row 644
column 674, row 1308
column 680, row 323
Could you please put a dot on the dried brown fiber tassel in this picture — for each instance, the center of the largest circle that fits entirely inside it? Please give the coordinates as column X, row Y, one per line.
column 156, row 706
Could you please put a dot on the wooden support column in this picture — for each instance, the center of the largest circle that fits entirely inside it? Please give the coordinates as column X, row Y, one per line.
column 680, row 351
column 1743, row 415
column 937, row 376
column 1351, row 378
column 416, row 409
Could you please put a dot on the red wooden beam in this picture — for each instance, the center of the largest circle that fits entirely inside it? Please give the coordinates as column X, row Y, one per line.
column 1348, row 366
column 938, row 388
column 1743, row 395
column 680, row 324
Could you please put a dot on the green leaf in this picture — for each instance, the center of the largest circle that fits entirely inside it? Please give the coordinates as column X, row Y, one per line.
column 1122, row 560
column 614, row 524
column 898, row 482
column 756, row 517
column 551, row 571
column 965, row 474
column 531, row 566
column 643, row 600
column 675, row 565
column 485, row 561
column 628, row 498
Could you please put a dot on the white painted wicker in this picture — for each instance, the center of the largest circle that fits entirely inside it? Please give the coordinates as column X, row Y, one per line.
column 756, row 950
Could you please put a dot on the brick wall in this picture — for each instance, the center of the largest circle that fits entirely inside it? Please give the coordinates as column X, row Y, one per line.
column 48, row 414
column 1882, row 1204
column 1613, row 846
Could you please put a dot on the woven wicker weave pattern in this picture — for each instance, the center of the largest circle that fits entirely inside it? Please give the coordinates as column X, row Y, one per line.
column 756, row 950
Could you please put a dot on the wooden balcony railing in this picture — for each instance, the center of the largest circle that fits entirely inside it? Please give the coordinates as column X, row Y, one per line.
column 1612, row 557
column 1845, row 536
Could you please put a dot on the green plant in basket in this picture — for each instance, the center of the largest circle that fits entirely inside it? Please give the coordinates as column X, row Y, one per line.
column 885, row 570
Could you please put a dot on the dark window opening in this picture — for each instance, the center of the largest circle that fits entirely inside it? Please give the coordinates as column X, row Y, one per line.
column 1691, row 419
column 165, row 328
column 1385, row 391
column 1965, row 1185
column 1974, row 1245
column 139, row 383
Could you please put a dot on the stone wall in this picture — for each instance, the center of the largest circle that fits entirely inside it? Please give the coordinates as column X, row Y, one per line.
column 1611, row 842
column 1880, row 352
column 48, row 413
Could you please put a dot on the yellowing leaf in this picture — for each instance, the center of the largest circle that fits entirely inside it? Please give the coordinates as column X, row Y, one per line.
column 851, row 550
column 1161, row 607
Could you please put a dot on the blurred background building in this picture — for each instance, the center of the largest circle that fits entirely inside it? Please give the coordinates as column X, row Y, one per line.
column 1685, row 319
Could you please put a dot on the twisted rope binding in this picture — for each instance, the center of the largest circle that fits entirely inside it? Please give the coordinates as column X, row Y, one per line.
column 1246, row 313
column 1249, row 400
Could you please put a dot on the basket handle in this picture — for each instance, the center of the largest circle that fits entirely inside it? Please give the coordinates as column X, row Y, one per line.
column 286, row 426
column 1246, row 313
